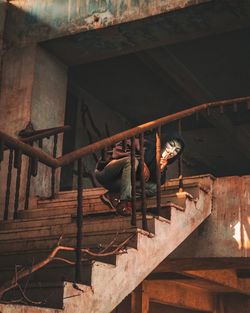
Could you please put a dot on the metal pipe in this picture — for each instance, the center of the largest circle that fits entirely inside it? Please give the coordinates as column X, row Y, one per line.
column 133, row 182
column 79, row 221
column 143, row 185
column 158, row 170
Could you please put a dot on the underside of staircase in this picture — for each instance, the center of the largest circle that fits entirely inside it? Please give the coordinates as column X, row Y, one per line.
column 106, row 280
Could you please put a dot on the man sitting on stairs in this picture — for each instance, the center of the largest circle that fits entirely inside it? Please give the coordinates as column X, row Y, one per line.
column 115, row 172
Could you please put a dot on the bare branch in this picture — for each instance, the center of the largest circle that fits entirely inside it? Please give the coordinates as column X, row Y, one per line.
column 52, row 256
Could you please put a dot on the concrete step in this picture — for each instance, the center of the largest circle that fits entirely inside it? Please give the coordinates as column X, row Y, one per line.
column 34, row 223
column 48, row 243
column 92, row 195
column 55, row 272
column 92, row 208
column 90, row 224
column 28, row 258
column 40, row 294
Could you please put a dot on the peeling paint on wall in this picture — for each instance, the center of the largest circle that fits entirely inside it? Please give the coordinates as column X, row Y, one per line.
column 47, row 19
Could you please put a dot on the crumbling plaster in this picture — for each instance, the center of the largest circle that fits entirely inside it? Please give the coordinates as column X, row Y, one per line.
column 42, row 20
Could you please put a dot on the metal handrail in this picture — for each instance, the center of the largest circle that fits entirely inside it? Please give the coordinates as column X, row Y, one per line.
column 44, row 133
column 18, row 147
column 78, row 153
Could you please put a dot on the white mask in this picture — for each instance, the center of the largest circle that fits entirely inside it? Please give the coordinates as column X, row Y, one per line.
column 172, row 148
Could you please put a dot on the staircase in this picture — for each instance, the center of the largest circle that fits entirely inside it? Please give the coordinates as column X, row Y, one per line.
column 107, row 280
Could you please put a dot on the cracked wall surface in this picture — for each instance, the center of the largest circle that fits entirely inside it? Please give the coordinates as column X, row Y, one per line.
column 31, row 21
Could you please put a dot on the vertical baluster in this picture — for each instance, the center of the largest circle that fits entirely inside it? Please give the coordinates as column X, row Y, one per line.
column 79, row 221
column 27, row 191
column 53, row 170
column 158, row 170
column 1, row 154
column 143, row 187
column 1, row 149
column 181, row 187
column 133, row 182
column 9, row 176
column 40, row 143
column 28, row 182
column 18, row 166
column 248, row 105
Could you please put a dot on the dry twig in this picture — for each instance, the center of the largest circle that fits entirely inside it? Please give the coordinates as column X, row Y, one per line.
column 52, row 257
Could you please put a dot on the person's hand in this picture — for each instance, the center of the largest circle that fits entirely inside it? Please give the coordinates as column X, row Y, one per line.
column 163, row 163
column 146, row 172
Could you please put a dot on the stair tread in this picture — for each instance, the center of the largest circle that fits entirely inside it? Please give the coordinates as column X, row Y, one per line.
column 86, row 223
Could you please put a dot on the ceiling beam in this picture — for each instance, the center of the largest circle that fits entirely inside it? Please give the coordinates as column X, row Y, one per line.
column 177, row 265
column 224, row 277
column 180, row 295
column 210, row 18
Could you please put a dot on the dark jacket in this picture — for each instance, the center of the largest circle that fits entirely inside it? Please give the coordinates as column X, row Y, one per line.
column 123, row 149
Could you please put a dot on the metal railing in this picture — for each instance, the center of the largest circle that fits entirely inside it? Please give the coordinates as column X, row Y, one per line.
column 18, row 148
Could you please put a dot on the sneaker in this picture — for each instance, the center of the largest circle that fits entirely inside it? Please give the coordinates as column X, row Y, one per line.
column 110, row 199
column 124, row 208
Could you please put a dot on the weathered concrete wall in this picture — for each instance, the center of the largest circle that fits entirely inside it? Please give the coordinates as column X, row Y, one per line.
column 33, row 88
column 15, row 107
column 16, row 88
column 48, row 108
column 226, row 233
column 3, row 7
column 92, row 121
column 32, row 21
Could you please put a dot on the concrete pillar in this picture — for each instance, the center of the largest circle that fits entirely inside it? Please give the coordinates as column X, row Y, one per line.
column 33, row 89
column 48, row 108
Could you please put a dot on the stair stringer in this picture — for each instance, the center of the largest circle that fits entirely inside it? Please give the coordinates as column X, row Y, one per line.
column 111, row 284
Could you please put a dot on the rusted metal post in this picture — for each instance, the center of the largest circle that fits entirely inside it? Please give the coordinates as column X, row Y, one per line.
column 79, row 221
column 133, row 181
column 1, row 149
column 158, row 170
column 9, row 176
column 143, row 187
column 53, row 170
column 34, row 167
column 181, row 187
column 18, row 166
column 40, row 143
column 27, row 192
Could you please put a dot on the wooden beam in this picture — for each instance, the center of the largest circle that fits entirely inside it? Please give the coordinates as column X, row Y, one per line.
column 180, row 295
column 226, row 278
column 177, row 265
column 139, row 300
